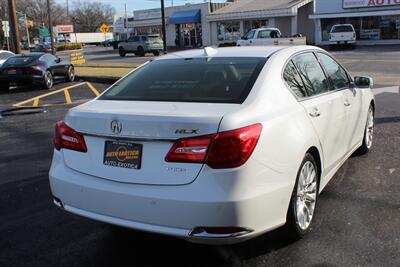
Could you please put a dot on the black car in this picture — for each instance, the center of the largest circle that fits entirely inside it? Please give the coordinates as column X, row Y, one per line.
column 36, row 68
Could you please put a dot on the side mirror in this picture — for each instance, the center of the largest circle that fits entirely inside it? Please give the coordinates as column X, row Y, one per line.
column 363, row 82
column 58, row 60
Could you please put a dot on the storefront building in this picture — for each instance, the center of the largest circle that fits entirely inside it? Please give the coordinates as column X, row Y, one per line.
column 375, row 21
column 186, row 25
column 231, row 22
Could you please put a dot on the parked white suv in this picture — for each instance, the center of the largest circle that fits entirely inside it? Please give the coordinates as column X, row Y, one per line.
column 342, row 34
column 141, row 44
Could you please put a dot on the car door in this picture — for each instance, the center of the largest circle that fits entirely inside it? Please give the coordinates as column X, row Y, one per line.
column 250, row 38
column 57, row 69
column 324, row 108
column 339, row 80
column 263, row 38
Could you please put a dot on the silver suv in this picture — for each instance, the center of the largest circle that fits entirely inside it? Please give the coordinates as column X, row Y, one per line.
column 141, row 44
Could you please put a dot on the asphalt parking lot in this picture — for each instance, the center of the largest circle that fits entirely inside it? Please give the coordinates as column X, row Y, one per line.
column 357, row 221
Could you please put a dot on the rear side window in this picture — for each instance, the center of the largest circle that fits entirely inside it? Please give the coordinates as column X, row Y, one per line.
column 292, row 78
column 336, row 73
column 311, row 73
column 342, row 28
column 210, row 80
column 264, row 34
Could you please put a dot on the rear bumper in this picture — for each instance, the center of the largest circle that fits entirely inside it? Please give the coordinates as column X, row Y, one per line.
column 170, row 210
column 20, row 78
column 342, row 42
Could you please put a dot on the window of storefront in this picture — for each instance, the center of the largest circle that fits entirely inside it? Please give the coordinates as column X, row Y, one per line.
column 188, row 35
column 254, row 24
column 148, row 30
column 367, row 28
column 228, row 31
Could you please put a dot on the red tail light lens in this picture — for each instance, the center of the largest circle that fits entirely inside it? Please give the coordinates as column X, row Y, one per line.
column 68, row 138
column 190, row 150
column 228, row 149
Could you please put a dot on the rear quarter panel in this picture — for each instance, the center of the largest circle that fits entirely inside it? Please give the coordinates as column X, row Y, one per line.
column 286, row 136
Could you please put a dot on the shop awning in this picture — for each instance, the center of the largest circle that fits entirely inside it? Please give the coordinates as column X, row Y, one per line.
column 187, row 16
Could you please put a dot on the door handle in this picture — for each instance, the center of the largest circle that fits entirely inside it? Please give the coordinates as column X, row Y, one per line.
column 315, row 113
column 347, row 103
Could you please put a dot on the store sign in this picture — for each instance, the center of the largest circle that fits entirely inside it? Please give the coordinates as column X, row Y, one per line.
column 148, row 14
column 369, row 3
column 65, row 28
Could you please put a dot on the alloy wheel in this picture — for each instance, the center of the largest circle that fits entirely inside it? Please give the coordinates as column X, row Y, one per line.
column 369, row 130
column 306, row 195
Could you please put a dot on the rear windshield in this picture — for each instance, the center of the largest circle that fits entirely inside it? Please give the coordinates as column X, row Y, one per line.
column 210, row 80
column 343, row 28
column 20, row 60
column 5, row 55
column 153, row 38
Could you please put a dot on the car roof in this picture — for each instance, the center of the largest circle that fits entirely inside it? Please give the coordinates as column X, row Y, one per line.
column 249, row 51
column 32, row 54
column 6, row 51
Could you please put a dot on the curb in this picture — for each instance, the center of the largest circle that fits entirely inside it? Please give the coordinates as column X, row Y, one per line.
column 94, row 79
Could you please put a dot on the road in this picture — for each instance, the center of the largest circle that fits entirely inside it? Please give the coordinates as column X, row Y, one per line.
column 357, row 222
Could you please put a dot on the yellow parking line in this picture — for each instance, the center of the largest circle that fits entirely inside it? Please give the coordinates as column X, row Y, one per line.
column 48, row 94
column 35, row 102
column 67, row 96
column 93, row 89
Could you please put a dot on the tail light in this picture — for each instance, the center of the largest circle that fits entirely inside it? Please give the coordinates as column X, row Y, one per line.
column 33, row 70
column 68, row 138
column 354, row 36
column 228, row 149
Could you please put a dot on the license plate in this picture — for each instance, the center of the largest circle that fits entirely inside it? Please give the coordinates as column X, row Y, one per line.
column 12, row 72
column 122, row 155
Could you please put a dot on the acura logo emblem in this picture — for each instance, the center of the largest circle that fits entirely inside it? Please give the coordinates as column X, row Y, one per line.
column 116, row 127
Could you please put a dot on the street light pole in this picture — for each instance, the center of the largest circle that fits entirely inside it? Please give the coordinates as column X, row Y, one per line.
column 163, row 26
column 50, row 27
column 14, row 26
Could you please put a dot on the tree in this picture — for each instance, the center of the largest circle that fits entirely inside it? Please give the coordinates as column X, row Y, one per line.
column 36, row 10
column 90, row 15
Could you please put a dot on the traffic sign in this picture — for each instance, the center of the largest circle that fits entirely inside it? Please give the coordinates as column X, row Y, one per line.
column 43, row 32
column 104, row 28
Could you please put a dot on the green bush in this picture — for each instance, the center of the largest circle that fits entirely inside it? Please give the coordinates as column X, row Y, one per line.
column 73, row 46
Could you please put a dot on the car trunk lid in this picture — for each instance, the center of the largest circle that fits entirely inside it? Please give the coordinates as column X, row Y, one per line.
column 151, row 126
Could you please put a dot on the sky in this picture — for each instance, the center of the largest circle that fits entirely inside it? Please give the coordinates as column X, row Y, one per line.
column 132, row 5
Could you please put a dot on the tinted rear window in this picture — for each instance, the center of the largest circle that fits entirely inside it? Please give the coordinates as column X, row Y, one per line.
column 343, row 28
column 211, row 80
column 20, row 60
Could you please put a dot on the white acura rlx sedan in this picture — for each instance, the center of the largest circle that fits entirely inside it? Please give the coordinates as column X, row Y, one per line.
column 214, row 146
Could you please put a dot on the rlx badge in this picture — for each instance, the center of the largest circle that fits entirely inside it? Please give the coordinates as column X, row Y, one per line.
column 187, row 131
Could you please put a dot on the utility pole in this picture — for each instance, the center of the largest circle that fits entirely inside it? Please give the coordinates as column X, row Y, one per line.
column 12, row 15
column 50, row 27
column 163, row 26
column 67, row 10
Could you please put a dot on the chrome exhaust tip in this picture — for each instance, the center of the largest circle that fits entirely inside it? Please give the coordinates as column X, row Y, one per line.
column 219, row 232
column 58, row 202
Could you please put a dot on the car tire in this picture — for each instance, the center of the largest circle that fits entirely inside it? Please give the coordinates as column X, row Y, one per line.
column 122, row 52
column 368, row 133
column 71, row 74
column 140, row 51
column 48, row 80
column 156, row 53
column 304, row 199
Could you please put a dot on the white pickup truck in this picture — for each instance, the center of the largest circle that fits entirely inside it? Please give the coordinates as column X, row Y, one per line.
column 342, row 34
column 269, row 36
